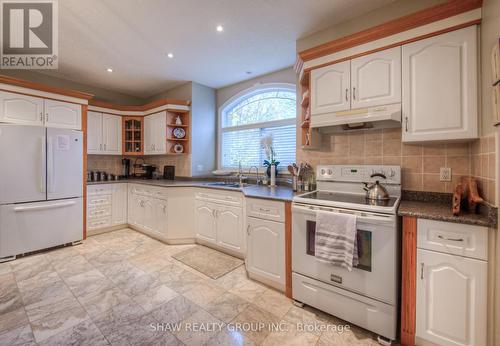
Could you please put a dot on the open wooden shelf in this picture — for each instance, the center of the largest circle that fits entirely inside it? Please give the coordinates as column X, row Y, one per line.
column 185, row 117
column 173, row 125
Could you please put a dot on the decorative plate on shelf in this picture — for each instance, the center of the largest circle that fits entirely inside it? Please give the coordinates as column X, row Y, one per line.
column 179, row 133
column 178, row 148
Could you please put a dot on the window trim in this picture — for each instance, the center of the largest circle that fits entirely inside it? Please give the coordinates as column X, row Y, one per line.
column 249, row 92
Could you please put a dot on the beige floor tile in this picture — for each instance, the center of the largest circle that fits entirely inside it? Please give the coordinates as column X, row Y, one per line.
column 13, row 320
column 230, row 338
column 175, row 311
column 84, row 333
column 203, row 294
column 288, row 334
column 199, row 328
column 248, row 290
column 46, row 295
column 227, row 306
column 100, row 302
column 21, row 335
column 308, row 318
column 154, row 297
column 140, row 284
column 49, row 306
column 89, row 282
column 274, row 302
column 261, row 322
column 57, row 322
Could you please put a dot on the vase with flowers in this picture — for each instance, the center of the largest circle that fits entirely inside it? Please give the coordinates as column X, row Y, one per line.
column 271, row 163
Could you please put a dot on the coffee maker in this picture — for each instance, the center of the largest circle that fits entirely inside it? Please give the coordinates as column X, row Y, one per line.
column 148, row 170
column 126, row 168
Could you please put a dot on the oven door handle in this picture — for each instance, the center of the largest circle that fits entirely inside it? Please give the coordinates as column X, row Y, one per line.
column 362, row 216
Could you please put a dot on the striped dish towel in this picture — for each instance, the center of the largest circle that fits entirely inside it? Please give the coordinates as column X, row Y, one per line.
column 336, row 240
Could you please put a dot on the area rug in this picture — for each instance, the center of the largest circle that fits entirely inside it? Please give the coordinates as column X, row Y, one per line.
column 212, row 263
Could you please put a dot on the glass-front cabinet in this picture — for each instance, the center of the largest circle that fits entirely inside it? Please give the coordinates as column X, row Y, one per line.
column 133, row 134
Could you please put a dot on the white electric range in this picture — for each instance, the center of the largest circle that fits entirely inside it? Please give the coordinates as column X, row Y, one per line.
column 368, row 295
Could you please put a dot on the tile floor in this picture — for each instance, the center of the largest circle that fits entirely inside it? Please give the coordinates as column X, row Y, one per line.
column 124, row 288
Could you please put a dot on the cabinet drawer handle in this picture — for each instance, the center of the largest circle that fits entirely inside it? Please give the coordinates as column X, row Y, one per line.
column 451, row 239
column 265, row 210
column 347, row 94
column 248, row 229
column 421, row 271
column 354, row 93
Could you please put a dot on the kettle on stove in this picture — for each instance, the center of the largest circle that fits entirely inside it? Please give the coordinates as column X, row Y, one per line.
column 376, row 191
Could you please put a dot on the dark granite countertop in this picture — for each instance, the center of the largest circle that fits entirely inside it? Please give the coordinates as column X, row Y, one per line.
column 279, row 193
column 437, row 206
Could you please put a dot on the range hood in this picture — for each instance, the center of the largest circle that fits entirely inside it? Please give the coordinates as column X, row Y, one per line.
column 388, row 116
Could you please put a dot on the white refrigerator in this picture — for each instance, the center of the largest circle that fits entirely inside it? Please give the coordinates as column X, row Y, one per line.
column 41, row 188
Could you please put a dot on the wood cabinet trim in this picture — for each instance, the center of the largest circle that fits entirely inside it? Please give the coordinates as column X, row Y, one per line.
column 288, row 249
column 413, row 20
column 408, row 281
column 140, row 108
column 45, row 88
column 84, row 130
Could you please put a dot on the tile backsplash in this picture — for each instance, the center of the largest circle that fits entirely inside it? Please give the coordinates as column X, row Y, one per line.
column 420, row 163
column 113, row 163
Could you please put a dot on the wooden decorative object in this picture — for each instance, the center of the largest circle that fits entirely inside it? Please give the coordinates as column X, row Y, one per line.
column 466, row 195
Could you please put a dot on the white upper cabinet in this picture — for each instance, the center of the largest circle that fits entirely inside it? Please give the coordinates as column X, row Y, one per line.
column 29, row 110
column 21, row 109
column 330, row 88
column 63, row 115
column 94, row 133
column 112, row 134
column 104, row 134
column 155, row 134
column 440, row 95
column 451, row 299
column 376, row 79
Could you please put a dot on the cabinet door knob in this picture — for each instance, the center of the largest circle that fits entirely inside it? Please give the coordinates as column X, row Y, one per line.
column 248, row 229
column 421, row 271
column 406, row 124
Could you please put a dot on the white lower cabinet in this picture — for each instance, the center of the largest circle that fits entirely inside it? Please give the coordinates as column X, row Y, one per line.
column 219, row 220
column 205, row 221
column 106, row 206
column 147, row 212
column 451, row 306
column 229, row 226
column 266, row 249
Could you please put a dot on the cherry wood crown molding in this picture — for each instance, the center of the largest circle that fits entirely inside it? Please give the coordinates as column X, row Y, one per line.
column 413, row 20
column 142, row 108
column 42, row 87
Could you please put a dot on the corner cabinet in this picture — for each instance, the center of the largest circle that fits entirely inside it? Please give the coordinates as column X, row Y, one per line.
column 155, row 134
column 440, row 87
column 133, row 136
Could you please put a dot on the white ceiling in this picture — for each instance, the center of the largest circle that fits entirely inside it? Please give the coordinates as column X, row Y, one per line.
column 134, row 36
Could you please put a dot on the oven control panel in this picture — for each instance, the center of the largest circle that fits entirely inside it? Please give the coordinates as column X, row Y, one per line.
column 359, row 173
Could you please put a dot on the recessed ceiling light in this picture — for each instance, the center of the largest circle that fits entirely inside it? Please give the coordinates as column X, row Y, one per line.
column 219, row 28
column 109, row 69
column 170, row 55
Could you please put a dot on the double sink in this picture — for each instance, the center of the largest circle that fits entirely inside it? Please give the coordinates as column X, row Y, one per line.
column 227, row 184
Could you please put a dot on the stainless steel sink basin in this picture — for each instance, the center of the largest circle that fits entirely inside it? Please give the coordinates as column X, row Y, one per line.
column 224, row 184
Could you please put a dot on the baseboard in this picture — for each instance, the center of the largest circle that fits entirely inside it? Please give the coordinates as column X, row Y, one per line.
column 221, row 249
column 182, row 241
column 266, row 281
column 106, row 229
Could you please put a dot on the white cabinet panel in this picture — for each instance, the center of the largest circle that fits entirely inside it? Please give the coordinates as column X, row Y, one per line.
column 205, row 221
column 330, row 88
column 63, row 115
column 161, row 219
column 119, row 204
column 94, row 133
column 440, row 87
column 376, row 78
column 112, row 134
column 266, row 249
column 451, row 299
column 230, row 227
column 21, row 109
column 155, row 134
column 148, row 135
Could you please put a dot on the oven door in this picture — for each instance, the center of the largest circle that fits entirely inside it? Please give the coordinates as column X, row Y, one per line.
column 376, row 274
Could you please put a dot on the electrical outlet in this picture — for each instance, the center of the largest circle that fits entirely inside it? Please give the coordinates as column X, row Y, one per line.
column 445, row 174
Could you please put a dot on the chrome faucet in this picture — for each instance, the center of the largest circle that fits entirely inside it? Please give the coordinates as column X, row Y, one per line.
column 240, row 173
column 257, row 175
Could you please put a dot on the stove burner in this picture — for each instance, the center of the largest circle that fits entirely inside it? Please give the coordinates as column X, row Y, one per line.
column 348, row 198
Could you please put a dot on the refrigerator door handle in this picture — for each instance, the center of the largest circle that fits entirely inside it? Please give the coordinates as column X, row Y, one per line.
column 44, row 206
column 50, row 164
column 42, row 165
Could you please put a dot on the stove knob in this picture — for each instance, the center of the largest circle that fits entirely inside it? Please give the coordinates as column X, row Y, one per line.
column 392, row 173
column 330, row 172
column 323, row 172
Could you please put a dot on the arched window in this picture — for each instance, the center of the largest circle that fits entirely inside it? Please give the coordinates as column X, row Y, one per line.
column 257, row 112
